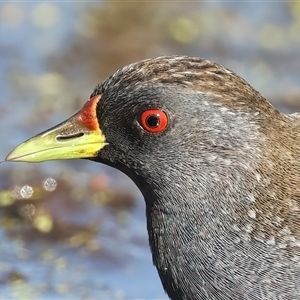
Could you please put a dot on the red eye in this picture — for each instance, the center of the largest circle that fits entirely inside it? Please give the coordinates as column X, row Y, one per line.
column 154, row 120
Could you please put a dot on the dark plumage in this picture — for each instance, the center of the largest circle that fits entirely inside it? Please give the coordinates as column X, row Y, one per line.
column 221, row 180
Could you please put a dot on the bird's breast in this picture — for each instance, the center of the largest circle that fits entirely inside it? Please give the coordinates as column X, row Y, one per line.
column 214, row 260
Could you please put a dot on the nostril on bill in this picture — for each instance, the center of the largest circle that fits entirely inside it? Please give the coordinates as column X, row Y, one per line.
column 63, row 138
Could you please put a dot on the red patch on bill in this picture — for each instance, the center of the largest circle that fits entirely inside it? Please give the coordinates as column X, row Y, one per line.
column 87, row 115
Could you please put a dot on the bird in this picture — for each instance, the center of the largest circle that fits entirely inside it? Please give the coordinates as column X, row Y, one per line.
column 217, row 165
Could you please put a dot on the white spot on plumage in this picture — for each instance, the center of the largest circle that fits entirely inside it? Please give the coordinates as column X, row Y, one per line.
column 258, row 177
column 252, row 213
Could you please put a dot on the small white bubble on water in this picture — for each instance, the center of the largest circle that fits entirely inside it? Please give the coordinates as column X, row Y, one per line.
column 49, row 184
column 26, row 191
column 28, row 211
column 15, row 192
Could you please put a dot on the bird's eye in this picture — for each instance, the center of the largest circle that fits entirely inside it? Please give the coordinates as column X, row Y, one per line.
column 154, row 120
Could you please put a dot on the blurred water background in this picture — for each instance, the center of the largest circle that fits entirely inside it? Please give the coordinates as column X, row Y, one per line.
column 76, row 229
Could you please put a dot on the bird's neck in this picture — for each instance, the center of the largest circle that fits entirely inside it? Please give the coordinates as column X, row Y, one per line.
column 227, row 232
column 189, row 235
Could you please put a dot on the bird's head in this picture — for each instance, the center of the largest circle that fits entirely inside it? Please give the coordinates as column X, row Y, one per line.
column 157, row 118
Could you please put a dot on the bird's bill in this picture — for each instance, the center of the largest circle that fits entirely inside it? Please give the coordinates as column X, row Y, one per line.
column 78, row 137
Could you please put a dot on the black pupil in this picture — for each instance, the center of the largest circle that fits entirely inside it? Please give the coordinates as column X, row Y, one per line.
column 153, row 121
